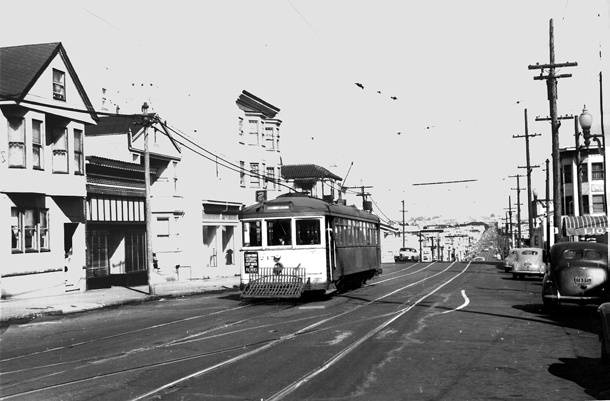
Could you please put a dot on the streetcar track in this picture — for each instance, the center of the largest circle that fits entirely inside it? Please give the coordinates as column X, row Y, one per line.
column 155, row 326
column 340, row 355
column 278, row 341
column 312, row 328
column 403, row 275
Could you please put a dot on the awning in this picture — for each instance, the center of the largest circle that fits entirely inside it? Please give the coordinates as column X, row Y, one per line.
column 585, row 225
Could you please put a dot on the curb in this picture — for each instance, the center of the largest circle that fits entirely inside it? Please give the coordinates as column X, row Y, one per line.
column 27, row 318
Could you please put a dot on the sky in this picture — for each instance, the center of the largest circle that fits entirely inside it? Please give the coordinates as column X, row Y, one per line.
column 458, row 70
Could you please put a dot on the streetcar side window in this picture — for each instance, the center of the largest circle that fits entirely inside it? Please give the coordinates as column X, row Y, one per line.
column 278, row 232
column 253, row 233
column 308, row 232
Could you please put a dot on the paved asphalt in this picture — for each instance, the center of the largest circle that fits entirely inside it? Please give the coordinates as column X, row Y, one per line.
column 423, row 331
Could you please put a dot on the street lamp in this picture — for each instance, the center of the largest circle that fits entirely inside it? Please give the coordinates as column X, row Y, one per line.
column 586, row 121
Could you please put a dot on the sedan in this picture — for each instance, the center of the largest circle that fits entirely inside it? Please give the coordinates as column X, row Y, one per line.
column 578, row 273
column 528, row 262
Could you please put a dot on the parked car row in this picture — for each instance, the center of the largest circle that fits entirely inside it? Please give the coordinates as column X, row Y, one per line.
column 573, row 273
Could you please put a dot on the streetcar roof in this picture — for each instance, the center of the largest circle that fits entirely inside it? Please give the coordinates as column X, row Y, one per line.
column 298, row 204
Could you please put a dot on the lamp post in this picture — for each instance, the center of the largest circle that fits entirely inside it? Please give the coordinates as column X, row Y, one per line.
column 586, row 121
column 147, row 122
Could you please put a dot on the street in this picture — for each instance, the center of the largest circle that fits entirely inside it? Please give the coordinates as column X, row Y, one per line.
column 429, row 331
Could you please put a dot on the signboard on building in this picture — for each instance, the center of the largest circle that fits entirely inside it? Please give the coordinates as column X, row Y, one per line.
column 261, row 196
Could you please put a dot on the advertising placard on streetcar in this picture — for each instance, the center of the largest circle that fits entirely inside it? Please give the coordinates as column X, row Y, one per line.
column 251, row 262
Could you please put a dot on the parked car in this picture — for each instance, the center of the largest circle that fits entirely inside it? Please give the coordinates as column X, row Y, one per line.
column 528, row 262
column 577, row 273
column 509, row 260
column 406, row 254
column 604, row 335
column 478, row 259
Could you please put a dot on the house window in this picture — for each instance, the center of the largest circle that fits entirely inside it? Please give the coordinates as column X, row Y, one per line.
column 253, row 132
column 255, row 180
column 37, row 153
column 242, row 173
column 16, row 142
column 271, row 177
column 44, row 230
column 59, row 85
column 585, row 172
column 597, row 171
column 29, row 230
column 163, row 227
column 60, row 151
column 567, row 174
column 598, row 204
column 16, row 232
column 269, row 138
column 78, row 151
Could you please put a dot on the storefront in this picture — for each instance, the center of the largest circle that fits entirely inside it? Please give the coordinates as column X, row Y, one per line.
column 220, row 229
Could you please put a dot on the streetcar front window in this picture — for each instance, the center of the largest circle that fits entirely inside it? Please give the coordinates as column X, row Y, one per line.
column 308, row 232
column 253, row 233
column 278, row 232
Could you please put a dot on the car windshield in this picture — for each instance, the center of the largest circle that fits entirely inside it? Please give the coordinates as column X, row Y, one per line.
column 586, row 254
column 529, row 252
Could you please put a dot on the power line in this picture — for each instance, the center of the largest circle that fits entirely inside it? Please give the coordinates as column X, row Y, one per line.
column 444, row 182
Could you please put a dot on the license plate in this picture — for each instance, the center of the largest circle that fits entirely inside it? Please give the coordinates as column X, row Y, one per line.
column 580, row 280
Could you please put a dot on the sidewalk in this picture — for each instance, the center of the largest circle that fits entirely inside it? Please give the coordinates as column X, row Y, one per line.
column 24, row 309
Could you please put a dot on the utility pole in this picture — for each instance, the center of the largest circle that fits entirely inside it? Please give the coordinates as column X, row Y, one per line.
column 529, row 167
column 548, row 208
column 148, row 120
column 403, row 223
column 510, row 221
column 518, row 189
column 551, row 84
column 362, row 193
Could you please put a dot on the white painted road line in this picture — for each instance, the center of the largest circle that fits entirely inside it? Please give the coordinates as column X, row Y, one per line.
column 462, row 306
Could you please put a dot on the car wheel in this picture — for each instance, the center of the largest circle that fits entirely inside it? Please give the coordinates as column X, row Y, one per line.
column 515, row 276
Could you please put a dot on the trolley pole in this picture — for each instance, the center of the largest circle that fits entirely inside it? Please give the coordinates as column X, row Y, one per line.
column 551, row 84
column 529, row 167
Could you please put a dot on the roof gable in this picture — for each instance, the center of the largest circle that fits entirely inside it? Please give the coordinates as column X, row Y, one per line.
column 22, row 66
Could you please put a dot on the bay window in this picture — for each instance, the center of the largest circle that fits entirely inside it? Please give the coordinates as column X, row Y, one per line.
column 78, row 151
column 16, row 142
column 29, row 230
column 37, row 153
column 60, row 151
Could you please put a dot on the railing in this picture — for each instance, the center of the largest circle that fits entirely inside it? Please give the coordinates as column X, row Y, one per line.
column 275, row 282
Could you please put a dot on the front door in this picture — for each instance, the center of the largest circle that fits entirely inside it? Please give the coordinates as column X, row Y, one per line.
column 73, row 273
column 98, row 267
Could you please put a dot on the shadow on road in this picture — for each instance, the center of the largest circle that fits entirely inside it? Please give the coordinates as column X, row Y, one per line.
column 584, row 318
column 588, row 373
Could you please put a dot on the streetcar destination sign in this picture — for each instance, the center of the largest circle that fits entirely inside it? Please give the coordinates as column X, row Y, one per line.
column 251, row 262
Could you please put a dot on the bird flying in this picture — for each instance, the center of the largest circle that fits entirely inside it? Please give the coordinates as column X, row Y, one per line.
column 393, row 97
column 358, row 84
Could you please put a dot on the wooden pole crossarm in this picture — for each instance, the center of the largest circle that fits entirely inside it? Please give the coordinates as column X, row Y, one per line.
column 552, row 65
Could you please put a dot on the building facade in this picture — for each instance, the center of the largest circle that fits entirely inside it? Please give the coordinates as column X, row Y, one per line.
column 44, row 112
column 585, row 215
column 116, row 204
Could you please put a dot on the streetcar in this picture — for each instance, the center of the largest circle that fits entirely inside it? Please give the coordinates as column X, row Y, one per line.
column 296, row 243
